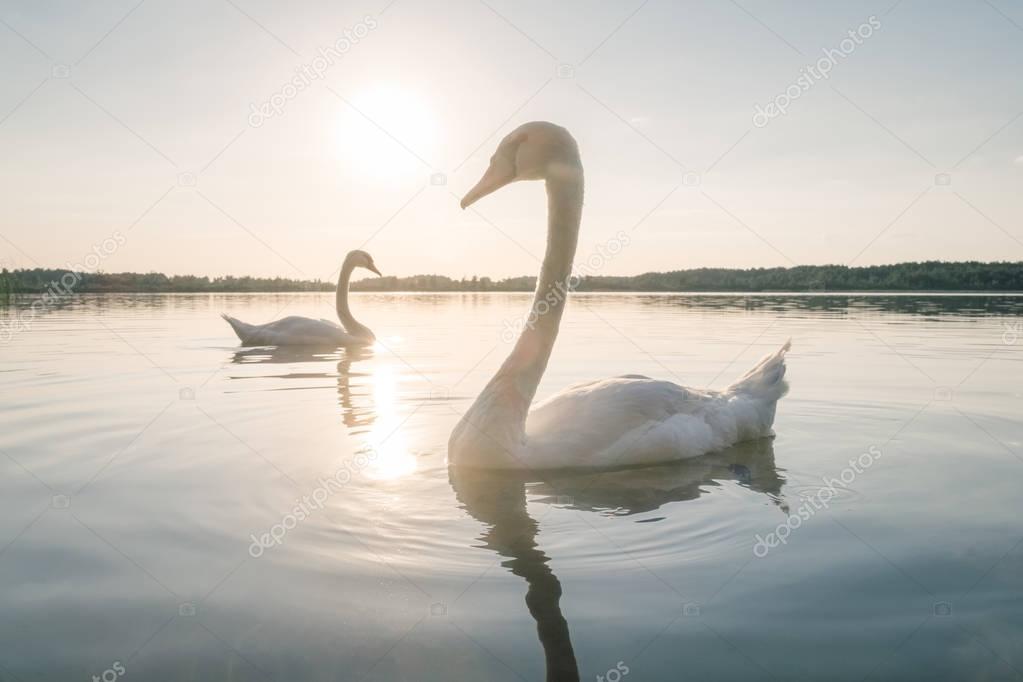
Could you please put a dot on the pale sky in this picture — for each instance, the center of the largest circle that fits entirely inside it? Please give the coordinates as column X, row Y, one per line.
column 135, row 118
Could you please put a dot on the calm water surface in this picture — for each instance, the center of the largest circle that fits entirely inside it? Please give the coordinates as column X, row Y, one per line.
column 143, row 455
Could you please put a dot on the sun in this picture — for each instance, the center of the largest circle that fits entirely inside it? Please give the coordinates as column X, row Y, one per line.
column 388, row 131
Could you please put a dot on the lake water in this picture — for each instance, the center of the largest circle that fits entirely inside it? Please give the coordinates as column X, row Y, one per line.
column 141, row 451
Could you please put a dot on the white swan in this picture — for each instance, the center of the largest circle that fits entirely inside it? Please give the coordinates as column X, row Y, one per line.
column 620, row 421
column 303, row 331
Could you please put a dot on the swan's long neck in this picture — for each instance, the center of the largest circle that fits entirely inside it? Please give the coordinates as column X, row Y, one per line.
column 494, row 428
column 528, row 359
column 344, row 313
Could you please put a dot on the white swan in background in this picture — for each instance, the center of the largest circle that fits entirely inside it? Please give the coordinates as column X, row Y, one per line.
column 619, row 421
column 303, row 331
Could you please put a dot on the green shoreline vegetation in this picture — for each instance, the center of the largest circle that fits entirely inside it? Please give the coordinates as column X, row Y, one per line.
column 930, row 276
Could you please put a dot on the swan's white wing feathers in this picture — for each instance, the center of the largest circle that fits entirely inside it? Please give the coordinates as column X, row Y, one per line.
column 635, row 420
column 292, row 331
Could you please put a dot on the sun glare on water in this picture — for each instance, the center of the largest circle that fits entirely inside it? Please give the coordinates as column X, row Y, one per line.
column 391, row 457
column 388, row 131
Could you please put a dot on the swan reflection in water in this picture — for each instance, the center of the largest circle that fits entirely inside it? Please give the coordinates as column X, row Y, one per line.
column 369, row 402
column 497, row 499
column 357, row 407
column 368, row 399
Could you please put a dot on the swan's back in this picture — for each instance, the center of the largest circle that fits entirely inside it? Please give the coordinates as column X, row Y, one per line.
column 291, row 331
column 633, row 420
column 619, row 422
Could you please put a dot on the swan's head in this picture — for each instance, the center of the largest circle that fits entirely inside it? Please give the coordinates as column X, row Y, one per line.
column 533, row 151
column 361, row 259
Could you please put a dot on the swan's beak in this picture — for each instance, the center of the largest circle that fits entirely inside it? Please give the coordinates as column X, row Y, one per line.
column 496, row 177
column 373, row 269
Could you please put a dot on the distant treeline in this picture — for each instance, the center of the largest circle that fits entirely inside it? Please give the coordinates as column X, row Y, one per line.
column 927, row 276
column 40, row 280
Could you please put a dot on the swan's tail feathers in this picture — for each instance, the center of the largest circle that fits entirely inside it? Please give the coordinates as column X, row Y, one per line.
column 240, row 328
column 766, row 380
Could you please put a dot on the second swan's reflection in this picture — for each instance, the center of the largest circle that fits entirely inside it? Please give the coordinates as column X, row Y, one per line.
column 498, row 501
column 357, row 410
column 369, row 399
